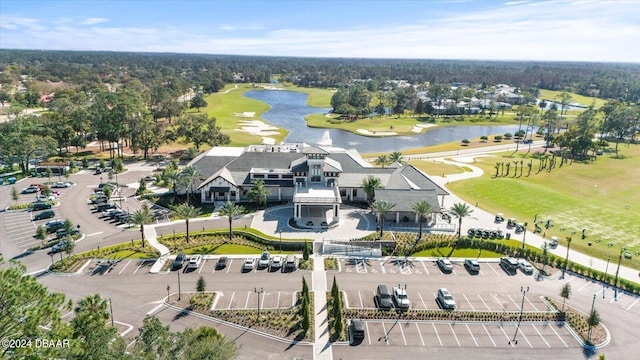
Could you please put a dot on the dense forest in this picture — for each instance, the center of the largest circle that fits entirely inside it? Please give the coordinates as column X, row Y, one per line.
column 605, row 80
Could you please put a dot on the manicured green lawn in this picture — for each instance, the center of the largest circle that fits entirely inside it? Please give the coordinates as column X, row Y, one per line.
column 602, row 197
column 584, row 100
column 458, row 253
column 433, row 167
column 226, row 249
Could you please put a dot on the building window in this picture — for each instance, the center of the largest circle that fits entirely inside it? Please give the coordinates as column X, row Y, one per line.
column 316, row 173
column 232, row 194
column 343, row 192
column 272, row 176
column 258, row 176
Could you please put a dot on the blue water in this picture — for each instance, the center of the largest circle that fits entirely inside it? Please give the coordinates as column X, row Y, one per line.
column 288, row 109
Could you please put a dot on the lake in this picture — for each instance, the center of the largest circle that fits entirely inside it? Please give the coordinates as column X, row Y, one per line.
column 288, row 109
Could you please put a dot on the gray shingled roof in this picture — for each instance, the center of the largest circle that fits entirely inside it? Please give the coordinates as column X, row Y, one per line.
column 403, row 198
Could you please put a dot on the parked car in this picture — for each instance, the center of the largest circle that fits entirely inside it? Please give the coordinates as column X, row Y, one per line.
column 527, row 141
column 53, row 225
column 30, row 190
column 60, row 184
column 45, row 198
column 499, row 218
column 383, row 297
column 150, row 178
column 263, row 262
column 60, row 233
column 290, row 263
column 276, row 263
column 40, row 205
column 511, row 223
column 179, row 261
column 221, row 263
column 357, row 329
column 445, row 299
column 44, row 215
column 60, row 246
column 509, row 264
column 247, row 265
column 519, row 228
column 104, row 207
column 400, row 298
column 194, row 261
column 445, row 265
column 525, row 267
column 472, row 265
column 554, row 242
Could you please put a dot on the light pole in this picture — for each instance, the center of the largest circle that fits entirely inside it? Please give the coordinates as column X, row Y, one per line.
column 111, row 309
column 259, row 292
column 524, row 234
column 615, row 282
column 593, row 304
column 605, row 276
column 524, row 291
column 179, row 290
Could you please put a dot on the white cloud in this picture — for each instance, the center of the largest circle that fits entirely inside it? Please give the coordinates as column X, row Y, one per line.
column 93, row 21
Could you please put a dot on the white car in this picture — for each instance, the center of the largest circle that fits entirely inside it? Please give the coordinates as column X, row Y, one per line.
column 525, row 266
column 194, row 261
column 60, row 184
column 446, row 299
column 400, row 297
column 247, row 265
column 264, row 260
column 45, row 198
column 445, row 265
column 276, row 262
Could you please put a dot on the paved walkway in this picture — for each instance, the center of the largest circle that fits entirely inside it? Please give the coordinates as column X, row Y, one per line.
column 322, row 344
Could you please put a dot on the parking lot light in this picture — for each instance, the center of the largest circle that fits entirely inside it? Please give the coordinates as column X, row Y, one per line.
column 615, row 282
column 259, row 292
column 179, row 290
column 524, row 291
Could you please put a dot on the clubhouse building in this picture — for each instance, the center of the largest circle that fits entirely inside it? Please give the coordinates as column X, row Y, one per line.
column 316, row 179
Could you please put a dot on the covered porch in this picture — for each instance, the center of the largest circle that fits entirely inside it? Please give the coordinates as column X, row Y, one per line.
column 316, row 206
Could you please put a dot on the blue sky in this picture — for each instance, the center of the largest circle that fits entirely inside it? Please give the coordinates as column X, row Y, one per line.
column 579, row 30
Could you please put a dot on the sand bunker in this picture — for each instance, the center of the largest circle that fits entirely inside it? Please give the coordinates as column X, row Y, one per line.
column 257, row 127
column 376, row 133
column 246, row 114
column 419, row 127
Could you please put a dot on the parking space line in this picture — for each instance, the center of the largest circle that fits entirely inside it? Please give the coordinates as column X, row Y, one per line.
column 568, row 281
column 489, row 335
column 465, row 297
column 558, row 335
column 471, row 333
column 403, row 338
column 530, row 303
column 278, row 301
column 494, row 270
column 425, row 267
column 423, row 303
column 360, row 296
column 454, row 272
column 614, row 298
column 583, row 286
column 381, row 262
column 293, row 299
column 438, row 335
column 384, row 330
column 125, row 266
column 368, row 332
column 246, row 303
column 419, row 333
column 262, row 301
column 538, row 331
column 138, row 268
column 454, row 334
column 505, row 334
column 630, row 306
column 525, row 338
column 485, row 304
column 231, row 300
column 513, row 301
column 202, row 266
column 229, row 267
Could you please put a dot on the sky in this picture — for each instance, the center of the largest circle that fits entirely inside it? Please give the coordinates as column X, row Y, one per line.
column 572, row 30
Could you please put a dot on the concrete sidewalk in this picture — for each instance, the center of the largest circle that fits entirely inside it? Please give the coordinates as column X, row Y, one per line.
column 321, row 344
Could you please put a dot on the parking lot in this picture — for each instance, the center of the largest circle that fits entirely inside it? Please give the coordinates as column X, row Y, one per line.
column 467, row 335
column 20, row 229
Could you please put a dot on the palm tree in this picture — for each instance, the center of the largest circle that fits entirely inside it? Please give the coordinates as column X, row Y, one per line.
column 396, row 157
column 258, row 193
column 382, row 207
column 90, row 310
column 422, row 209
column 188, row 178
column 593, row 320
column 370, row 184
column 186, row 211
column 142, row 217
column 172, row 177
column 565, row 293
column 382, row 160
column 460, row 210
column 231, row 211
